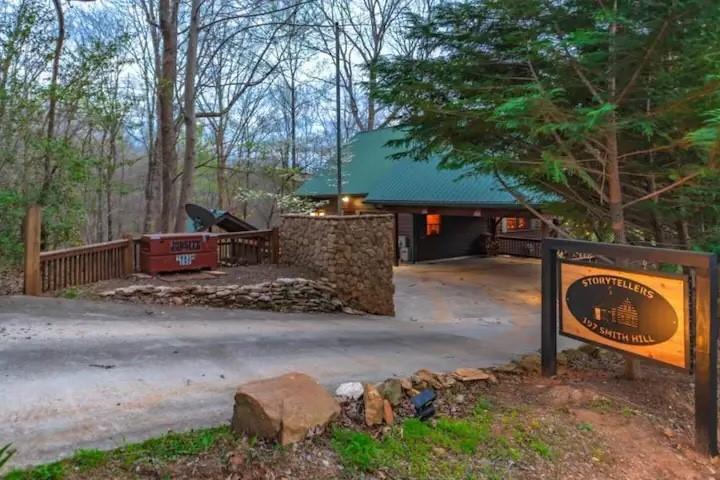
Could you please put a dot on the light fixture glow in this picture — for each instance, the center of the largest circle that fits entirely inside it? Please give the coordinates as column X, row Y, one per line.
column 345, row 199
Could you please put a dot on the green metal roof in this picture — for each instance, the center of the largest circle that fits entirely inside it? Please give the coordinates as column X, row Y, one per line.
column 368, row 169
column 365, row 160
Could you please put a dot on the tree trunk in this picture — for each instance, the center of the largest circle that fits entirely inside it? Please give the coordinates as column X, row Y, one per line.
column 152, row 181
column 190, row 120
column 615, row 195
column 166, row 89
column 222, row 164
column 151, row 187
column 247, row 185
column 108, row 183
column 52, row 102
column 683, row 233
column 293, row 123
column 372, row 81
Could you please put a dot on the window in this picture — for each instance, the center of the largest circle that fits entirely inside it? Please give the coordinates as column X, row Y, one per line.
column 516, row 223
column 432, row 225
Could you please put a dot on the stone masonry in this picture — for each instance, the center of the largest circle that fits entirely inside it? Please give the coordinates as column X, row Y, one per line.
column 355, row 252
column 281, row 295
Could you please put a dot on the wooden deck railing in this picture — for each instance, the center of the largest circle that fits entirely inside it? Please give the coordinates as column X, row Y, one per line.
column 519, row 247
column 248, row 248
column 70, row 267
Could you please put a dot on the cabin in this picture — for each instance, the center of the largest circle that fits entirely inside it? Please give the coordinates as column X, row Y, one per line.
column 439, row 213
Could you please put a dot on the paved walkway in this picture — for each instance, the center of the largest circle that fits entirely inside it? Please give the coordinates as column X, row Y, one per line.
column 79, row 374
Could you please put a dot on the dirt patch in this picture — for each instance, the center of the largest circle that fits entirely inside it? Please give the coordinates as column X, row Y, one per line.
column 243, row 275
column 11, row 281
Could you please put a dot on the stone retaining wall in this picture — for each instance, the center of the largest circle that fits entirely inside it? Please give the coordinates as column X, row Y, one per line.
column 354, row 252
column 283, row 295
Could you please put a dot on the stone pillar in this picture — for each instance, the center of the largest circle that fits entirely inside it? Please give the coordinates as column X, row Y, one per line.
column 356, row 253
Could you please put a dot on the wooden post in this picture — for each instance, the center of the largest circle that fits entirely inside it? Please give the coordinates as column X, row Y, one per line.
column 706, row 346
column 129, row 255
column 32, row 230
column 275, row 246
column 548, row 336
column 396, row 247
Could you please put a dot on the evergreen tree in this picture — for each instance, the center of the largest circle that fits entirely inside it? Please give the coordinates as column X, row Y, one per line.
column 611, row 106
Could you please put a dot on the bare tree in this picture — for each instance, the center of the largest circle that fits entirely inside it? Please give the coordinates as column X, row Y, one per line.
column 366, row 26
column 225, row 30
column 49, row 169
column 189, row 114
column 148, row 57
column 166, row 89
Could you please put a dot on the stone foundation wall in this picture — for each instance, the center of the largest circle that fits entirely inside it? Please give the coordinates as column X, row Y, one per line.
column 281, row 295
column 354, row 252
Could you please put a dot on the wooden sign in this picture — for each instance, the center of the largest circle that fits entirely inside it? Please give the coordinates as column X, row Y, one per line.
column 641, row 313
column 644, row 314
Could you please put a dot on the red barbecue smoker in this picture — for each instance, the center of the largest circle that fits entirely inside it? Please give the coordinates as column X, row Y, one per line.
column 175, row 252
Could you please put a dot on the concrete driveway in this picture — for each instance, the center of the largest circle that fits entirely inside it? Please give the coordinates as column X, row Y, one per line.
column 79, row 374
column 470, row 291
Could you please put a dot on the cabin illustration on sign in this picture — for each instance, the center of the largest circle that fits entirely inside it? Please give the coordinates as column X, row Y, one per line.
column 624, row 314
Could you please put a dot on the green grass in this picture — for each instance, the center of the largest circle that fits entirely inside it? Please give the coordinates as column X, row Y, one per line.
column 155, row 451
column 541, row 448
column 357, row 449
column 585, row 427
column 89, row 459
column 173, row 445
column 49, row 471
column 448, row 448
column 602, row 405
column 488, row 443
column 627, row 411
column 70, row 293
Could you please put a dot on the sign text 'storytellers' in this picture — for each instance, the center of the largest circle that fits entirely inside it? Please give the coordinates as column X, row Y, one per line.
column 618, row 282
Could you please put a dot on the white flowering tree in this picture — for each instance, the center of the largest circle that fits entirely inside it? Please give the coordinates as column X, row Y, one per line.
column 279, row 199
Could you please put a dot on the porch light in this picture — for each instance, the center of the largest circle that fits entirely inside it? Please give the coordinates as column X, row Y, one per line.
column 345, row 199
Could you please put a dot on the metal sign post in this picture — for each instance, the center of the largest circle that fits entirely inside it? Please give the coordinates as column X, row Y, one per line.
column 614, row 323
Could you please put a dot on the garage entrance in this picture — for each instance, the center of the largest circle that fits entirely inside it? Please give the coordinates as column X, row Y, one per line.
column 437, row 233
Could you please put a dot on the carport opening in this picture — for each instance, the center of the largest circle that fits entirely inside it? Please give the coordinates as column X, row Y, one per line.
column 436, row 235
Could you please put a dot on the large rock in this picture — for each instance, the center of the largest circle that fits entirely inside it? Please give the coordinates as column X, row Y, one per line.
column 284, row 408
column 391, row 389
column 350, row 390
column 388, row 414
column 473, row 375
column 426, row 379
column 374, row 406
